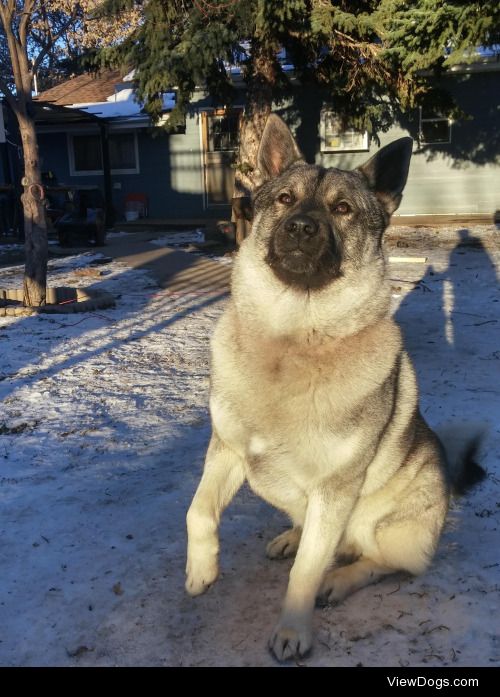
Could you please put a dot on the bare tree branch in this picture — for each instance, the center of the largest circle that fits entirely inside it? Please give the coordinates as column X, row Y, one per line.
column 37, row 38
column 14, row 51
column 5, row 89
column 46, row 47
column 25, row 21
column 11, row 7
column 7, row 10
column 48, row 28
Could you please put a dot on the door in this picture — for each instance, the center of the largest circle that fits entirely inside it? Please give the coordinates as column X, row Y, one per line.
column 220, row 132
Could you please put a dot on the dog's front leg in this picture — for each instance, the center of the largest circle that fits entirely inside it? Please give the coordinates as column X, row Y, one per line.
column 222, row 477
column 328, row 509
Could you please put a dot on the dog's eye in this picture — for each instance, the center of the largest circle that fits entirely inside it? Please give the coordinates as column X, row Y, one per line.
column 285, row 198
column 341, row 208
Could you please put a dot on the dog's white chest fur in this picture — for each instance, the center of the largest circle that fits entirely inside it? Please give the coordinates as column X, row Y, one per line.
column 305, row 452
column 285, row 408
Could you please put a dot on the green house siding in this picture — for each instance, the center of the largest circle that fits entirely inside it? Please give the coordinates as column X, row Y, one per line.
column 436, row 183
column 170, row 171
column 462, row 177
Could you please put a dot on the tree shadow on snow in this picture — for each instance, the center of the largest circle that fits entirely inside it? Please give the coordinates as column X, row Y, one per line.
column 144, row 311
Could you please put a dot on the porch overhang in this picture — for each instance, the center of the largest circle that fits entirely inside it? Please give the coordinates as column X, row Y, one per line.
column 49, row 114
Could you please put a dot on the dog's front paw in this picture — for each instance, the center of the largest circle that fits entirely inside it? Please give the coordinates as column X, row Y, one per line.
column 201, row 575
column 288, row 641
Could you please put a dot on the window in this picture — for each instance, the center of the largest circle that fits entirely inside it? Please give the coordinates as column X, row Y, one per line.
column 434, row 128
column 122, row 153
column 223, row 132
column 334, row 138
column 85, row 153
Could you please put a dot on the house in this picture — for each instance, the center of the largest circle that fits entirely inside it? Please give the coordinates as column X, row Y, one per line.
column 133, row 162
column 188, row 175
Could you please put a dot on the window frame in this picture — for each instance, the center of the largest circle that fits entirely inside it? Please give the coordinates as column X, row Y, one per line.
column 99, row 172
column 433, row 119
column 365, row 140
column 223, row 114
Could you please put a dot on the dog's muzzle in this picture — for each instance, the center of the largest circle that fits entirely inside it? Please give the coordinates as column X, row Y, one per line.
column 301, row 230
column 303, row 251
column 299, row 242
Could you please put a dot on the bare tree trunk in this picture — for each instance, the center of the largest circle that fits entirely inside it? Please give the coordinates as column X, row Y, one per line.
column 260, row 80
column 15, row 21
column 35, row 225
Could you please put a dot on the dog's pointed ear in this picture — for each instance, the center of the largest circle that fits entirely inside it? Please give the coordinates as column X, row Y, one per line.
column 387, row 172
column 278, row 149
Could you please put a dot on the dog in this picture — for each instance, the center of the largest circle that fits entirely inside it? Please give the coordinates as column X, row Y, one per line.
column 314, row 399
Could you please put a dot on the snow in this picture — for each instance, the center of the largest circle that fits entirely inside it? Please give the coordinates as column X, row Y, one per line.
column 124, row 95
column 122, row 104
column 103, row 428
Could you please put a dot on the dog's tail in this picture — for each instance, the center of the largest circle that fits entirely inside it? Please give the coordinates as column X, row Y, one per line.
column 461, row 443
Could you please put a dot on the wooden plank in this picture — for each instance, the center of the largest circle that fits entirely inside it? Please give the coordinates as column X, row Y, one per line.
column 407, row 260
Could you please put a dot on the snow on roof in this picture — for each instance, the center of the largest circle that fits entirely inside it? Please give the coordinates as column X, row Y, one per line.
column 106, row 94
column 122, row 104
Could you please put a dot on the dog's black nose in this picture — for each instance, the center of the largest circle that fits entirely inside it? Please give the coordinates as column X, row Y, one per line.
column 300, row 226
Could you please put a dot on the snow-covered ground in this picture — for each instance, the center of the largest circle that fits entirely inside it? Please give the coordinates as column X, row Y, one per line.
column 103, row 428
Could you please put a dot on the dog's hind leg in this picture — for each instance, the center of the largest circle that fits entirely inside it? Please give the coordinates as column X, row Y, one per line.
column 406, row 545
column 222, row 477
column 284, row 545
column 341, row 582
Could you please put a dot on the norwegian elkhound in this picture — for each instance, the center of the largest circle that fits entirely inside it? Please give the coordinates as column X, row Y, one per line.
column 313, row 398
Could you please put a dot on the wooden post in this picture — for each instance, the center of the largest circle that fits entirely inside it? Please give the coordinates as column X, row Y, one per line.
column 242, row 213
column 108, row 192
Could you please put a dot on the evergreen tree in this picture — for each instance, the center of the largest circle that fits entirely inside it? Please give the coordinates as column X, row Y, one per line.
column 367, row 54
column 426, row 34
